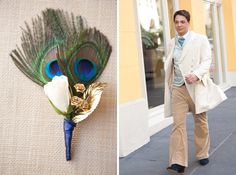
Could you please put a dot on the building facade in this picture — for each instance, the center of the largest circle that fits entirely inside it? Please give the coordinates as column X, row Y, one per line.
column 145, row 27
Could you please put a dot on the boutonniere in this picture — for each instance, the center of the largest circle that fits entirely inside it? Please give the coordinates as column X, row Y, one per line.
column 63, row 55
column 74, row 108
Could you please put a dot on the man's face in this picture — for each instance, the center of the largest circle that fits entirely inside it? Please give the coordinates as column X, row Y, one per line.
column 181, row 25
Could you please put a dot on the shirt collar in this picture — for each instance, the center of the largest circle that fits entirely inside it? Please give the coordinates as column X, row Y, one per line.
column 184, row 36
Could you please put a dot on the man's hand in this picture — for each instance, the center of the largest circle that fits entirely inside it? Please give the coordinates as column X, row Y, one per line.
column 191, row 78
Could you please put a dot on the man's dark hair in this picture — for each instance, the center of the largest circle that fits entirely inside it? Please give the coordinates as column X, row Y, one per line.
column 184, row 13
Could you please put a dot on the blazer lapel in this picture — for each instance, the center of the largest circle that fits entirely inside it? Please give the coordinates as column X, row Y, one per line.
column 187, row 46
column 168, row 63
column 170, row 56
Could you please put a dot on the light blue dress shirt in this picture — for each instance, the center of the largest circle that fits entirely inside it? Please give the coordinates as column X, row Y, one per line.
column 178, row 77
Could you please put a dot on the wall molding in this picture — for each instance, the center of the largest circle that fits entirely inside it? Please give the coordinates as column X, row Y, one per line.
column 232, row 78
column 133, row 126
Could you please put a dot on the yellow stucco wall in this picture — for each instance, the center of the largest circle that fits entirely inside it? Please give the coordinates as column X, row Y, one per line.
column 185, row 4
column 234, row 25
column 232, row 59
column 230, row 30
column 198, row 14
column 129, row 64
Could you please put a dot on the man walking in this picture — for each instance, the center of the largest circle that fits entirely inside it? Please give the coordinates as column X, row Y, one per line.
column 188, row 88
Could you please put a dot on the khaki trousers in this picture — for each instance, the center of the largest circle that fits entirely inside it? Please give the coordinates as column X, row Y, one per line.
column 178, row 150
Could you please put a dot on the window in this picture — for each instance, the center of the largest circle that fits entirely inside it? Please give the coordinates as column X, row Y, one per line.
column 210, row 34
column 214, row 33
column 151, row 24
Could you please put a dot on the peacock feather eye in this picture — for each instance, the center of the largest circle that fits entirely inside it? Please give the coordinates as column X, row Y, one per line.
column 52, row 69
column 85, row 69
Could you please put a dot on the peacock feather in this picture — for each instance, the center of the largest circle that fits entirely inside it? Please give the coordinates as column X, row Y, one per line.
column 59, row 43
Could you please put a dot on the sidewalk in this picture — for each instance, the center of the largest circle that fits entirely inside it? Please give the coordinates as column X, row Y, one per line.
column 152, row 158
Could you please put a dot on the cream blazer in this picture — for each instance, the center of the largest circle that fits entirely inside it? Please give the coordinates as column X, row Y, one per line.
column 195, row 58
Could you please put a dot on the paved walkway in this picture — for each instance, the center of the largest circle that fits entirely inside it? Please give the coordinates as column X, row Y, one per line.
column 152, row 158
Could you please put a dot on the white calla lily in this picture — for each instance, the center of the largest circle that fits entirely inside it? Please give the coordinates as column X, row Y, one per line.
column 58, row 93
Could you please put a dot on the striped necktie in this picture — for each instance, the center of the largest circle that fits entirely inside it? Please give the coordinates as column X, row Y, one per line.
column 181, row 41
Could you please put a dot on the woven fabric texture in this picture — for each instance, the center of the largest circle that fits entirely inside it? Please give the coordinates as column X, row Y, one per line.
column 31, row 133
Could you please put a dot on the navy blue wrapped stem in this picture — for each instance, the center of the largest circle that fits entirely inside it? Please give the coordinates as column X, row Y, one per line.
column 68, row 130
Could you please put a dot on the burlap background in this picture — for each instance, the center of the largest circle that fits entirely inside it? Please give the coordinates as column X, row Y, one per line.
column 31, row 134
